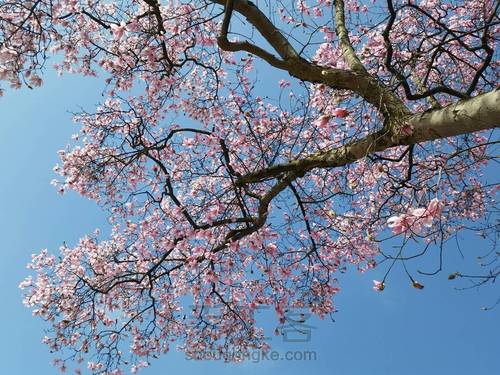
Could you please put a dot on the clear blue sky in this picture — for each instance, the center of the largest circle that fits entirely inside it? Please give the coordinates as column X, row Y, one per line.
column 401, row 331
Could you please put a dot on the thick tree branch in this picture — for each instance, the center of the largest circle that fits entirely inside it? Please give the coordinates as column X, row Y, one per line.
column 246, row 46
column 358, row 80
column 465, row 116
column 345, row 43
column 259, row 20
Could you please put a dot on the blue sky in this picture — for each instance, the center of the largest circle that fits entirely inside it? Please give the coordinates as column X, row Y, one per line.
column 401, row 331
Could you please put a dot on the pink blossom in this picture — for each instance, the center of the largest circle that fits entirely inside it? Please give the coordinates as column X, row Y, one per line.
column 220, row 196
column 322, row 122
column 434, row 208
column 399, row 224
column 340, row 112
column 415, row 218
column 378, row 285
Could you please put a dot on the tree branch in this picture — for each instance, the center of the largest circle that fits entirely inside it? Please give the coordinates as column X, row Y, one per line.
column 358, row 81
column 465, row 116
column 345, row 43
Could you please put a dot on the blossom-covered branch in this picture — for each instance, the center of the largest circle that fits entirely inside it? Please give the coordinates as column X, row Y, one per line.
column 228, row 191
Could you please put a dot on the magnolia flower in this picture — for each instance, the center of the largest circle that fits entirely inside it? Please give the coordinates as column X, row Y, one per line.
column 399, row 224
column 420, row 217
column 322, row 122
column 118, row 30
column 415, row 218
column 378, row 285
column 340, row 112
column 434, row 208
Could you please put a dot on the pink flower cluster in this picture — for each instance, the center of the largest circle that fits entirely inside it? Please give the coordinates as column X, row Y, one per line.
column 416, row 218
column 183, row 122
